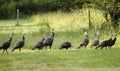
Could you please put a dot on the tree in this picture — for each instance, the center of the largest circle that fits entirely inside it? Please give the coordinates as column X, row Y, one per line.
column 111, row 8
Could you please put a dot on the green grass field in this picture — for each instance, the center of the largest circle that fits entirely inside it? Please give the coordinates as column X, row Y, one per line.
column 61, row 60
column 68, row 27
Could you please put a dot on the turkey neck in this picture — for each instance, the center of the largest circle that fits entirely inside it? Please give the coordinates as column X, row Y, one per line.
column 43, row 39
column 114, row 38
column 110, row 38
column 10, row 39
column 53, row 34
column 87, row 37
column 97, row 37
column 23, row 38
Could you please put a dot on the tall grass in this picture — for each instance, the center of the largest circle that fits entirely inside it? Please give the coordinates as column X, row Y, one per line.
column 75, row 20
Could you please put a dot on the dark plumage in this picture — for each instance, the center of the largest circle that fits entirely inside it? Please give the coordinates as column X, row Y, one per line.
column 96, row 41
column 66, row 45
column 113, row 41
column 105, row 43
column 40, row 44
column 85, row 41
column 49, row 41
column 19, row 44
column 6, row 44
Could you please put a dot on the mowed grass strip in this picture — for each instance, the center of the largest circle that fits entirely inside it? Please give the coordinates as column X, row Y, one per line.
column 61, row 60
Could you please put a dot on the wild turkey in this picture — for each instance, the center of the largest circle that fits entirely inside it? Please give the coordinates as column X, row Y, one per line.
column 49, row 41
column 113, row 41
column 105, row 43
column 66, row 45
column 96, row 41
column 19, row 44
column 40, row 44
column 6, row 44
column 85, row 41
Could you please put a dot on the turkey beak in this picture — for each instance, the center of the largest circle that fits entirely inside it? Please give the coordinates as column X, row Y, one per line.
column 11, row 35
column 115, row 35
column 111, row 35
column 23, row 34
column 44, row 35
column 97, row 33
column 52, row 30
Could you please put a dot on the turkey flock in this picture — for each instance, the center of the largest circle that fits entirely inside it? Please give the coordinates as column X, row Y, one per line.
column 45, row 42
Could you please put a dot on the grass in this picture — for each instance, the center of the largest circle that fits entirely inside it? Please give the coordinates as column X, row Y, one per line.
column 61, row 60
column 68, row 27
column 67, row 21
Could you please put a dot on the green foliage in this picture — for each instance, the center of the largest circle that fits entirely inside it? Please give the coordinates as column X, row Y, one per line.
column 7, row 10
column 111, row 8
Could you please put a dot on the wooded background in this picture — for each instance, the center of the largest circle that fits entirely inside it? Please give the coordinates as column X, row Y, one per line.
column 30, row 7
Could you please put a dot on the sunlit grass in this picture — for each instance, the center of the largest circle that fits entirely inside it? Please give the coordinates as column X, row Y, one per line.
column 70, row 21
